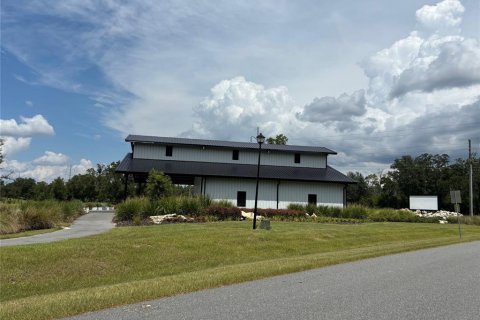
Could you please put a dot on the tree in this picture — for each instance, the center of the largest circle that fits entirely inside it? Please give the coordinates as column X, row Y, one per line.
column 279, row 139
column 158, row 185
column 82, row 187
column 3, row 175
column 58, row 189
column 20, row 188
column 357, row 191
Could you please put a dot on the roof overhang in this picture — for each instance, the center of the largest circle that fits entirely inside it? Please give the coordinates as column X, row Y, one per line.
column 225, row 144
column 187, row 169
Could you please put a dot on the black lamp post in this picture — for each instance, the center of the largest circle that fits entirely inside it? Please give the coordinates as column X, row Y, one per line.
column 260, row 140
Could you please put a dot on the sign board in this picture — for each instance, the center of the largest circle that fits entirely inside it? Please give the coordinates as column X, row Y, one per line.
column 455, row 196
column 424, row 203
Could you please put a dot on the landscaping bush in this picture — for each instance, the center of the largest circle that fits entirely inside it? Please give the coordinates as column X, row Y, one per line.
column 223, row 213
column 475, row 220
column 168, row 205
column 355, row 212
column 296, row 206
column 10, row 215
column 190, row 206
column 132, row 207
column 17, row 216
column 222, row 203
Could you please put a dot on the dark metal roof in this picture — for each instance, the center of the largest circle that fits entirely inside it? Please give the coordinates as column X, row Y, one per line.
column 226, row 144
column 194, row 168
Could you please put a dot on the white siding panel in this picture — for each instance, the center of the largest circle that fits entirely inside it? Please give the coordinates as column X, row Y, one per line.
column 195, row 153
column 149, row 151
column 289, row 192
column 226, row 189
column 328, row 194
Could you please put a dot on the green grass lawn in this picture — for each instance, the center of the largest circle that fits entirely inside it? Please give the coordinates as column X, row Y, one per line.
column 26, row 233
column 133, row 264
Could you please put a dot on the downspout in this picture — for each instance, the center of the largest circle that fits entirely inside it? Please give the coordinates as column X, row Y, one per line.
column 205, row 186
column 345, row 196
column 278, row 186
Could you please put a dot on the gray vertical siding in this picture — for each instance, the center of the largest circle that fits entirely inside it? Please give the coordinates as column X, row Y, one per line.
column 328, row 194
column 195, row 153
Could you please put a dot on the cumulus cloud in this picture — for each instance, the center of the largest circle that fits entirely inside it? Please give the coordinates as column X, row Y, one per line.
column 445, row 14
column 13, row 145
column 436, row 59
column 28, row 127
column 52, row 158
column 441, row 63
column 328, row 109
column 46, row 170
column 236, row 107
column 422, row 96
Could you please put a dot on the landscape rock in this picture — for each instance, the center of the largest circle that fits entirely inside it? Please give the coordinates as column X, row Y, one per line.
column 170, row 218
column 443, row 214
column 249, row 215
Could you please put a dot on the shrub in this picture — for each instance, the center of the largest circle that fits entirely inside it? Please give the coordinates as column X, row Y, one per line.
column 223, row 213
column 71, row 210
column 222, row 203
column 10, row 215
column 168, row 205
column 158, row 185
column 296, row 206
column 355, row 212
column 132, row 207
column 310, row 208
column 190, row 206
column 475, row 220
column 34, row 218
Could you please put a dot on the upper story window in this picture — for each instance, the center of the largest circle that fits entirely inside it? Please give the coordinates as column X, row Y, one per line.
column 297, row 157
column 235, row 155
column 169, row 151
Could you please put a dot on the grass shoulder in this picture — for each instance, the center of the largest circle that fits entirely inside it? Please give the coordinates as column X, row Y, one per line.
column 27, row 233
column 133, row 264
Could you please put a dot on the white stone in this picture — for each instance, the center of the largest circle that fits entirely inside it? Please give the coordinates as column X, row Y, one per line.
column 249, row 215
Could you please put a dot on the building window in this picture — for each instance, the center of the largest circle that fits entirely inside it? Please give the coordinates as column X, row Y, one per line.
column 312, row 199
column 235, row 155
column 241, row 198
column 169, row 151
column 297, row 157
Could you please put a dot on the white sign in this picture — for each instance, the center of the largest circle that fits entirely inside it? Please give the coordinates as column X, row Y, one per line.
column 424, row 203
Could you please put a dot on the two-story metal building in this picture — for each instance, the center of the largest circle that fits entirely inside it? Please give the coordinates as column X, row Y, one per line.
column 226, row 170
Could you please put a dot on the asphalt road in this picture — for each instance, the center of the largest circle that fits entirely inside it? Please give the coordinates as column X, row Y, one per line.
column 89, row 224
column 439, row 283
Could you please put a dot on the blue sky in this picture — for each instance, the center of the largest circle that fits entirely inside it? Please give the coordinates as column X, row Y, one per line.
column 373, row 79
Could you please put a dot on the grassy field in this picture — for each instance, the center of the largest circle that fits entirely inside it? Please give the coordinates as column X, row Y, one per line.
column 27, row 233
column 133, row 264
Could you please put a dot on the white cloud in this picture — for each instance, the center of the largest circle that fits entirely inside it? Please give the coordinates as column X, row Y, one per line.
column 29, row 103
column 444, row 15
column 422, row 96
column 327, row 109
column 44, row 170
column 175, row 52
column 28, row 127
column 13, row 145
column 52, row 158
column 236, row 107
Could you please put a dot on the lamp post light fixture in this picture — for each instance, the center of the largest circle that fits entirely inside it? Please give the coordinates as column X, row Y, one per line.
column 260, row 141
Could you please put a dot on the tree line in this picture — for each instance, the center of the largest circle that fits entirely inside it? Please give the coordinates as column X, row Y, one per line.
column 425, row 174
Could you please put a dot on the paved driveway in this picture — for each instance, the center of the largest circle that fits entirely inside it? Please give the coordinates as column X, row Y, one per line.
column 89, row 224
column 440, row 283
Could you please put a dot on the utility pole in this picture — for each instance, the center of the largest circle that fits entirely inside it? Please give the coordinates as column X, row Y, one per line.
column 471, row 175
